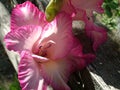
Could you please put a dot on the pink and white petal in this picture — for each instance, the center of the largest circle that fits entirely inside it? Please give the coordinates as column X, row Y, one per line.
column 96, row 33
column 29, row 73
column 23, row 38
column 56, row 73
column 89, row 6
column 59, row 32
column 26, row 14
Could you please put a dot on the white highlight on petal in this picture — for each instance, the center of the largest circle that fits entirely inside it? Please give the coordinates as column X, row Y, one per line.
column 40, row 84
column 25, row 11
column 12, row 41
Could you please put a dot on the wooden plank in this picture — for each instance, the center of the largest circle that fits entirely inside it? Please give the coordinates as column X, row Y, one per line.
column 4, row 29
column 106, row 68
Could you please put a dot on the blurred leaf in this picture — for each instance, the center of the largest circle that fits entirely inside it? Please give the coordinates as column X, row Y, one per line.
column 113, row 5
column 108, row 11
column 2, row 88
column 112, row 24
column 112, row 11
column 107, row 1
column 118, row 12
column 15, row 85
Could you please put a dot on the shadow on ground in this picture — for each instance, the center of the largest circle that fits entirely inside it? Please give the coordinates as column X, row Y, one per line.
column 7, row 71
column 107, row 63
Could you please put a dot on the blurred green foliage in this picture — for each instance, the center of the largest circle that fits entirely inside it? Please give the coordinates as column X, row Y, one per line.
column 15, row 84
column 2, row 87
column 112, row 12
column 111, row 6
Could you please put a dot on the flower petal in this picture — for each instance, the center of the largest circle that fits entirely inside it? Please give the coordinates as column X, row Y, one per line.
column 68, row 8
column 79, row 59
column 29, row 74
column 89, row 6
column 26, row 14
column 39, row 58
column 22, row 38
column 85, row 60
column 59, row 32
column 33, row 74
column 80, row 15
column 56, row 73
column 96, row 33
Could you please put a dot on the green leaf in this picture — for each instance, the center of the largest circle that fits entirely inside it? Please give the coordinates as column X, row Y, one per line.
column 15, row 85
column 108, row 11
column 107, row 1
column 113, row 5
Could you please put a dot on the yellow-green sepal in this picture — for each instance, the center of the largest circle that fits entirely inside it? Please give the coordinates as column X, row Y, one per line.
column 53, row 9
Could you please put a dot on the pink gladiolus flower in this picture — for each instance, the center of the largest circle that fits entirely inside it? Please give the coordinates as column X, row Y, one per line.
column 76, row 6
column 82, row 10
column 49, row 51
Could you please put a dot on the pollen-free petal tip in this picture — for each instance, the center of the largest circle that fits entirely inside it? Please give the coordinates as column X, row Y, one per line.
column 26, row 14
column 22, row 38
column 29, row 74
column 97, row 34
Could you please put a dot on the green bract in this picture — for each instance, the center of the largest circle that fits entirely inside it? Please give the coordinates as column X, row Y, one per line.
column 52, row 9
